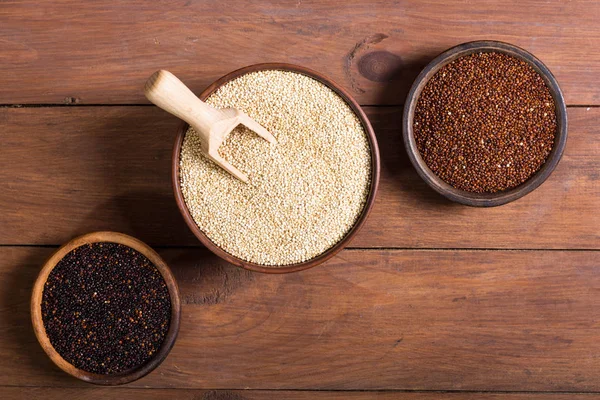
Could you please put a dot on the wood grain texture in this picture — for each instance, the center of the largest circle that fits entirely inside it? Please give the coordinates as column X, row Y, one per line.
column 367, row 319
column 66, row 171
column 12, row 393
column 467, row 321
column 107, row 50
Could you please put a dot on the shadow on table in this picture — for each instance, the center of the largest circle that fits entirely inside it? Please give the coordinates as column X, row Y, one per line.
column 145, row 206
column 151, row 217
column 16, row 319
column 203, row 278
column 133, row 149
column 394, row 159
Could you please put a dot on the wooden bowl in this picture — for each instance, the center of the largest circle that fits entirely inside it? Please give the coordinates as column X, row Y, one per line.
column 40, row 331
column 375, row 165
column 484, row 199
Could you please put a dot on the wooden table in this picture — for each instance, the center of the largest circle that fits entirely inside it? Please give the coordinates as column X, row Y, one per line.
column 432, row 301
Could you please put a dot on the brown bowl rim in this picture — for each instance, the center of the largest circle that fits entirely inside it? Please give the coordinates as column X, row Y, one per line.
column 40, row 331
column 484, row 199
column 375, row 169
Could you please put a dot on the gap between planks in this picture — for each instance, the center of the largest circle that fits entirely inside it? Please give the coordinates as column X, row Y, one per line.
column 58, row 105
column 350, row 248
column 256, row 390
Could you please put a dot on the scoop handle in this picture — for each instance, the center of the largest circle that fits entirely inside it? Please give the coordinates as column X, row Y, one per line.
column 167, row 92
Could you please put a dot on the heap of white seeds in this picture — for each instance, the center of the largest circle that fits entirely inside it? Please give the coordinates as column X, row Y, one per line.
column 303, row 194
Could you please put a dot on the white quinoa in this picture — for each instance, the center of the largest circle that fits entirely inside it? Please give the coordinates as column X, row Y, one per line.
column 303, row 194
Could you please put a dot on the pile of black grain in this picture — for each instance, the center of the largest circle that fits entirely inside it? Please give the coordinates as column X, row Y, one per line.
column 106, row 308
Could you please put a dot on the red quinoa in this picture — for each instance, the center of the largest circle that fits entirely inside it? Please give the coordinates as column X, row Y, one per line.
column 485, row 122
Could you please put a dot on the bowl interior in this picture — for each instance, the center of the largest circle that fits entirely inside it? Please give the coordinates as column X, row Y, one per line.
column 38, row 323
column 484, row 199
column 375, row 166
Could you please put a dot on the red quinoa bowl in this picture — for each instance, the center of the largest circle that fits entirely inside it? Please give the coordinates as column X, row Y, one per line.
column 374, row 172
column 449, row 188
column 89, row 273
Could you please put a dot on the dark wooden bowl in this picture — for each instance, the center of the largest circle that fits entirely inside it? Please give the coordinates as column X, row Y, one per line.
column 38, row 323
column 342, row 243
column 484, row 199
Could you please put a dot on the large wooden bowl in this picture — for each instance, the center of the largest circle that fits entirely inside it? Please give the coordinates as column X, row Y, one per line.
column 484, row 199
column 375, row 162
column 38, row 323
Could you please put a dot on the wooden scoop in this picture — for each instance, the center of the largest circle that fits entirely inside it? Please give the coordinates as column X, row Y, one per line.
column 212, row 125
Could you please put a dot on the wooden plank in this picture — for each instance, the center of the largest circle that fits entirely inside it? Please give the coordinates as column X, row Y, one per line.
column 10, row 393
column 67, row 171
column 375, row 49
column 559, row 214
column 368, row 319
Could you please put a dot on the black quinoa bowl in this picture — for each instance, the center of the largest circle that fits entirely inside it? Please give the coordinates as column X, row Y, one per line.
column 474, row 198
column 39, row 325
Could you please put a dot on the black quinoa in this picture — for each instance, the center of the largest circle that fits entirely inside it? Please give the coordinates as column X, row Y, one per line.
column 106, row 308
column 485, row 122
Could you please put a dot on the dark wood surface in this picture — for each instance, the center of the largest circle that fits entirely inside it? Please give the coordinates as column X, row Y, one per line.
column 11, row 393
column 72, row 170
column 432, row 301
column 365, row 320
column 101, row 52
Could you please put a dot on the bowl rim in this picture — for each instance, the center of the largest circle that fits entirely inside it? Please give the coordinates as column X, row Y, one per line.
column 375, row 171
column 38, row 323
column 484, row 199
